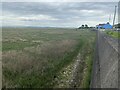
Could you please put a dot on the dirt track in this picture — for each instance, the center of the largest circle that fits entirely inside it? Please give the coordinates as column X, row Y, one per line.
column 69, row 76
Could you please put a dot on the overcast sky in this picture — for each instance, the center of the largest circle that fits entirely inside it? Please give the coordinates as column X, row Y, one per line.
column 56, row 14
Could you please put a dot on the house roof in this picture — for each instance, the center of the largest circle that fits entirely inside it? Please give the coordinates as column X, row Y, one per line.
column 103, row 24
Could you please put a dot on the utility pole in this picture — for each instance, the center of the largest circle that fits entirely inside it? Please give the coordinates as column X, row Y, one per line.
column 118, row 12
column 114, row 16
column 110, row 18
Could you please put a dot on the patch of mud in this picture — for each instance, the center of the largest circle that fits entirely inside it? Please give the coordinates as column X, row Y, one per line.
column 15, row 40
column 23, row 40
column 37, row 41
column 69, row 76
column 63, row 80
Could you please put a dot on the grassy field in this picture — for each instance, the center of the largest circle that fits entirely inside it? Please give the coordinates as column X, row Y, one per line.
column 33, row 57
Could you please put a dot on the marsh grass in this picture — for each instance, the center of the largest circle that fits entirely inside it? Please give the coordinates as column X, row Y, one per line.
column 28, row 64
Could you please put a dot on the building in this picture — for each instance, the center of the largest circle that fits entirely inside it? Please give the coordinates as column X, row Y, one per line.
column 104, row 26
column 117, row 25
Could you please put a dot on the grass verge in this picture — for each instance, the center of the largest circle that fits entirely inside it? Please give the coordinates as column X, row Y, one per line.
column 89, row 54
column 115, row 34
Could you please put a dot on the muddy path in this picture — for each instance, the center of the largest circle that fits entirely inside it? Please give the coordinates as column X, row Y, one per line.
column 71, row 75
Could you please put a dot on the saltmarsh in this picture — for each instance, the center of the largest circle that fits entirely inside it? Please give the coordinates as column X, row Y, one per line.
column 33, row 57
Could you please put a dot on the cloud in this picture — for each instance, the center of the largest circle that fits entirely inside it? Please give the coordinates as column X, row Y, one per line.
column 56, row 13
column 59, row 1
column 28, row 18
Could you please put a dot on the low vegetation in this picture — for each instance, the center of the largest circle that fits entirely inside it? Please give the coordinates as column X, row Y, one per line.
column 33, row 57
column 88, row 63
column 115, row 34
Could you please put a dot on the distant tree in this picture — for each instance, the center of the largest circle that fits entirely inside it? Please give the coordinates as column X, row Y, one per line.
column 82, row 26
column 86, row 26
column 91, row 27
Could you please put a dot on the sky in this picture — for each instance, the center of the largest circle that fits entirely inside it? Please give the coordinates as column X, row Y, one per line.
column 56, row 14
